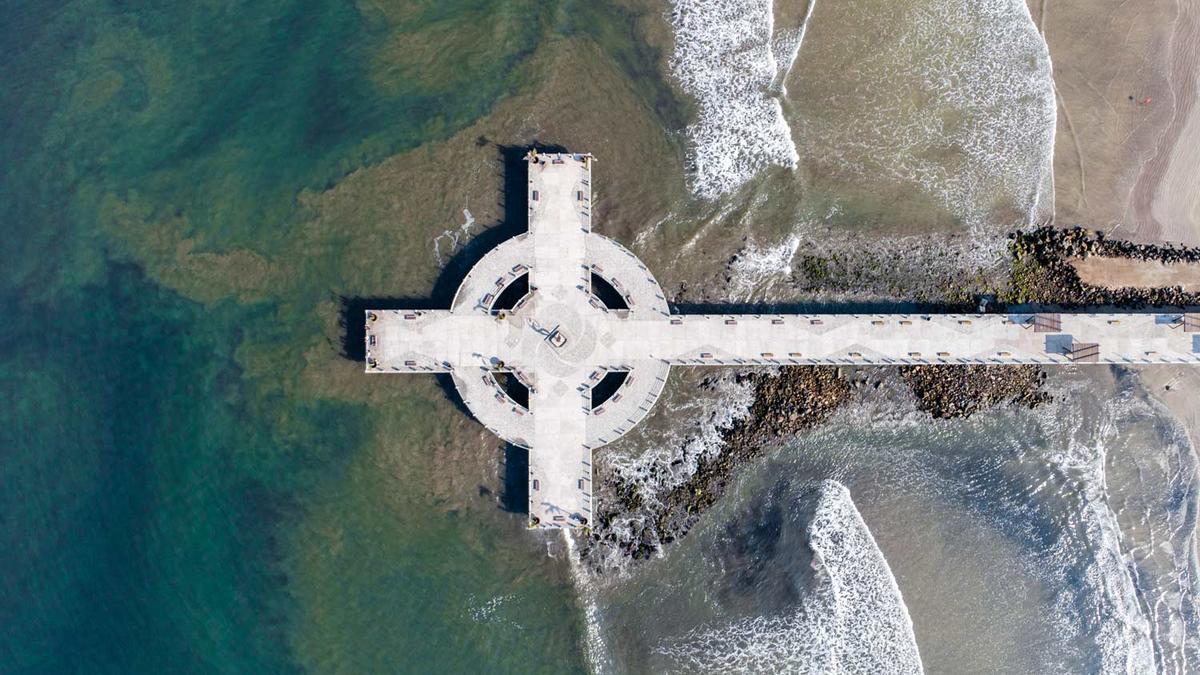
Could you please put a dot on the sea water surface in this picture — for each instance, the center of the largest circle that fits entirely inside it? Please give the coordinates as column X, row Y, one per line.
column 1060, row 539
column 197, row 477
column 180, row 490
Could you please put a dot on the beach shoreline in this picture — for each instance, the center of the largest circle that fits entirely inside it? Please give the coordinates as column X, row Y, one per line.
column 1176, row 388
column 1127, row 146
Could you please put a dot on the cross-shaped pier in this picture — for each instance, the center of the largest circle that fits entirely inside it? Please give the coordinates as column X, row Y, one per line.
column 591, row 312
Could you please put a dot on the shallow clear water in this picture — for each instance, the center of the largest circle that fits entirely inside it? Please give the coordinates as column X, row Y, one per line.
column 177, row 493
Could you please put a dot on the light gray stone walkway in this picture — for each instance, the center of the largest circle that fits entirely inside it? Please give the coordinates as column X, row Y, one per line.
column 561, row 340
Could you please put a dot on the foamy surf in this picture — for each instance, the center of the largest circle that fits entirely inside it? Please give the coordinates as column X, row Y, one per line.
column 785, row 47
column 855, row 621
column 1106, row 605
column 725, row 57
column 669, row 459
column 1004, row 89
column 596, row 653
column 952, row 99
column 676, row 458
column 756, row 266
column 1071, row 529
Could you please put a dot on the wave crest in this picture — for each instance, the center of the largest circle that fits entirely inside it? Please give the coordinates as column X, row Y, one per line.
column 725, row 57
column 855, row 621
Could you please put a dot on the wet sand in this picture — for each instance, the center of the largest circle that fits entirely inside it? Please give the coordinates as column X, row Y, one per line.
column 1127, row 148
column 1167, row 197
column 1132, row 273
column 1177, row 387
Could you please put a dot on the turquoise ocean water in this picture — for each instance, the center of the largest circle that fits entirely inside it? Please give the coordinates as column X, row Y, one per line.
column 173, row 496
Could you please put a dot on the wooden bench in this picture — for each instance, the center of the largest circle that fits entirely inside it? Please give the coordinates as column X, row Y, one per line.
column 1047, row 323
column 1084, row 351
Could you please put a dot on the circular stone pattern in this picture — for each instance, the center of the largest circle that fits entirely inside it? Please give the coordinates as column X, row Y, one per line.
column 562, row 337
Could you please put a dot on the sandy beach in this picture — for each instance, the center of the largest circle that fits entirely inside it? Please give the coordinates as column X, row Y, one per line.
column 1133, row 273
column 1127, row 148
column 1176, row 387
column 1167, row 197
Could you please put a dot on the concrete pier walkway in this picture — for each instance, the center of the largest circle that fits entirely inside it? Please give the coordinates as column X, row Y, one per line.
column 561, row 339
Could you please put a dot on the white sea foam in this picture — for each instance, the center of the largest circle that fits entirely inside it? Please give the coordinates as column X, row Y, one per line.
column 956, row 98
column 1105, row 604
column 1101, row 519
column 1010, row 144
column 489, row 611
column 785, row 47
column 454, row 238
column 756, row 265
column 1168, row 557
column 1120, row 559
column 596, row 651
column 724, row 56
column 1087, row 563
column 696, row 436
column 668, row 459
column 854, row 621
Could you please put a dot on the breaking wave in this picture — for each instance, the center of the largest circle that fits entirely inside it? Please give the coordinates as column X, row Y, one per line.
column 674, row 458
column 595, row 650
column 786, row 47
column 756, row 265
column 854, row 621
column 667, row 460
column 957, row 99
column 726, row 57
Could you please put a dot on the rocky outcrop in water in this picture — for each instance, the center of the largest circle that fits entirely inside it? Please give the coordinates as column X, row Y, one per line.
column 798, row 398
column 635, row 520
column 793, row 400
column 803, row 397
column 948, row 391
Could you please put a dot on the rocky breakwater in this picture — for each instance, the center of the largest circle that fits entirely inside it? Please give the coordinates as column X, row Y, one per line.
column 1042, row 272
column 636, row 517
column 787, row 401
column 794, row 400
column 948, row 391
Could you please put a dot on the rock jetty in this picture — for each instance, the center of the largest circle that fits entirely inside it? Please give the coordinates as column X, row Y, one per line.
column 795, row 399
column 786, row 402
column 636, row 524
column 1042, row 273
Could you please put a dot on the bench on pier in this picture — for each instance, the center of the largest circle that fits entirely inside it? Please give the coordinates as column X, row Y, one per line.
column 1084, row 352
